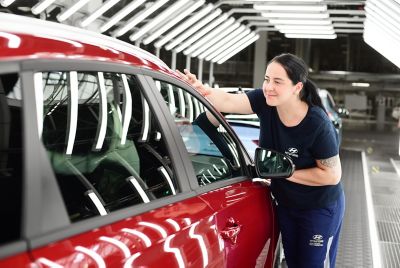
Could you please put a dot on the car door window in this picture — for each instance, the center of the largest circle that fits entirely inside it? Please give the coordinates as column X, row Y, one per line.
column 11, row 164
column 211, row 149
column 102, row 141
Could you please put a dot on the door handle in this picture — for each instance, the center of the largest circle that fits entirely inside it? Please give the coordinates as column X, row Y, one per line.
column 231, row 231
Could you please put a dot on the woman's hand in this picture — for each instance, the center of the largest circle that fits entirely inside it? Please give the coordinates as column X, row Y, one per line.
column 192, row 80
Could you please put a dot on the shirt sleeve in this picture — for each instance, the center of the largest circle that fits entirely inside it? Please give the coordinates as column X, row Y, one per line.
column 326, row 142
column 256, row 98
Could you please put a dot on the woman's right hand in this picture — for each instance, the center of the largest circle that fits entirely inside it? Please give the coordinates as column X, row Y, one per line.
column 192, row 80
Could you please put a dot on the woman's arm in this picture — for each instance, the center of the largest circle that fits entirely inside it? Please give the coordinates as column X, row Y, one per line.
column 222, row 101
column 327, row 172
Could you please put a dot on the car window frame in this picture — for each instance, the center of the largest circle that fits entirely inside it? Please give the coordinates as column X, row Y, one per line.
column 244, row 158
column 39, row 171
column 20, row 245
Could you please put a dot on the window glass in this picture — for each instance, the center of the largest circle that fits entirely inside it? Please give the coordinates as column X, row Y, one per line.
column 11, row 166
column 103, row 143
column 211, row 149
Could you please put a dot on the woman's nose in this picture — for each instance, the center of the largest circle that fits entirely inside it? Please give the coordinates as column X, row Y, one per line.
column 267, row 86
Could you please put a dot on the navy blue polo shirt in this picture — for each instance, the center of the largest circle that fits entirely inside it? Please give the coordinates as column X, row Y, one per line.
column 313, row 138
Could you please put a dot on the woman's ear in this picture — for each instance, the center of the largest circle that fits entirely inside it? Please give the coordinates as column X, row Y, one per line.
column 298, row 87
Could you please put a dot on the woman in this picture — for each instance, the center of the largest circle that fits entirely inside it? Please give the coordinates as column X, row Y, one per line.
column 293, row 121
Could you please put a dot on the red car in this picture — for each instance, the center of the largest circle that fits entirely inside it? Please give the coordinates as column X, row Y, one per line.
column 106, row 161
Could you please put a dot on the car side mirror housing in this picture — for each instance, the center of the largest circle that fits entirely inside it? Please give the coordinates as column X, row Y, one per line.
column 273, row 164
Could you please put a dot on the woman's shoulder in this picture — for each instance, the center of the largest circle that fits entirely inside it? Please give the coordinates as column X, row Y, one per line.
column 318, row 116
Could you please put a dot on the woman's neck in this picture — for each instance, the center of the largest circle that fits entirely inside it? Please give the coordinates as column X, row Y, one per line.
column 292, row 114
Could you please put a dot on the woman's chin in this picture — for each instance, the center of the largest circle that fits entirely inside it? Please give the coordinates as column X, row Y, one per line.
column 271, row 102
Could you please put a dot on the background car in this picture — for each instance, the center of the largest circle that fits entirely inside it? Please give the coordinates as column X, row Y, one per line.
column 106, row 161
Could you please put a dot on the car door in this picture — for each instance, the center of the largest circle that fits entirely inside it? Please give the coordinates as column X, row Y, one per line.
column 107, row 188
column 13, row 246
column 243, row 210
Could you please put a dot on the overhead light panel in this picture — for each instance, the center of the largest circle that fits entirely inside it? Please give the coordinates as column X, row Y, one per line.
column 163, row 16
column 295, row 15
column 223, row 46
column 234, row 46
column 41, row 6
column 240, row 48
column 100, row 11
column 121, row 14
column 6, row 3
column 193, row 29
column 304, row 27
column 309, row 8
column 183, row 26
column 360, row 84
column 311, row 36
column 209, row 36
column 202, row 32
column 185, row 12
column 71, row 10
column 310, row 1
column 300, row 22
column 307, row 31
column 139, row 17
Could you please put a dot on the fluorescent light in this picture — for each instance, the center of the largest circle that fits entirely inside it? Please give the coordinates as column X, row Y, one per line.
column 359, row 84
column 209, row 36
column 314, row 1
column 304, row 27
column 307, row 31
column 186, row 11
column 227, row 45
column 237, row 50
column 163, row 16
column 106, row 6
column 291, row 7
column 121, row 14
column 71, row 10
column 139, row 17
column 202, row 32
column 193, row 29
column 6, row 3
column 300, row 22
column 312, row 36
column 348, row 25
column 41, row 6
column 234, row 46
column 295, row 15
column 185, row 25
column 233, row 29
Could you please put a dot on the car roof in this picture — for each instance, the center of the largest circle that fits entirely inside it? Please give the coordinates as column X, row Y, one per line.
column 23, row 37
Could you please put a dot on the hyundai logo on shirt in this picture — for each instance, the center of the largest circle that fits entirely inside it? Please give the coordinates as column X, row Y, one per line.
column 292, row 152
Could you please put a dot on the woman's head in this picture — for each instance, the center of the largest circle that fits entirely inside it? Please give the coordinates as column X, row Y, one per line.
column 289, row 71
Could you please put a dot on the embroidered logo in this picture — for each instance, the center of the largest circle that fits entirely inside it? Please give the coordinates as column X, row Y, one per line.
column 292, row 152
column 317, row 241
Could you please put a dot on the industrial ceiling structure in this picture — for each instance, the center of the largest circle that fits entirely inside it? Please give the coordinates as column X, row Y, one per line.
column 214, row 31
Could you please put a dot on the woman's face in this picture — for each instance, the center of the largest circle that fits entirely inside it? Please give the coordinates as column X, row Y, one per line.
column 277, row 87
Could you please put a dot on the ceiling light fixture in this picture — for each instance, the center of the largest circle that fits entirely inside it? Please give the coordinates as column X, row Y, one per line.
column 300, row 22
column 295, row 15
column 185, row 25
column 100, row 11
column 320, row 8
column 238, row 49
column 311, row 36
column 189, row 8
column 360, row 84
column 41, row 6
column 71, row 10
column 194, row 29
column 121, row 14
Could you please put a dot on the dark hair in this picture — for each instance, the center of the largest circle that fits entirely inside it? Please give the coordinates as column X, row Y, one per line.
column 297, row 71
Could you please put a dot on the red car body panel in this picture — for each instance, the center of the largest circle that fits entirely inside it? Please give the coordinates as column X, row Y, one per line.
column 169, row 236
column 241, row 202
column 189, row 233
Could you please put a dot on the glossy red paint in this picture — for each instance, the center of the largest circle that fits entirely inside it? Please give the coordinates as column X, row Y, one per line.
column 244, row 202
column 170, row 236
column 20, row 260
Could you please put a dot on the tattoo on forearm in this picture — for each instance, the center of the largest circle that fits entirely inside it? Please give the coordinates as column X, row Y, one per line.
column 329, row 162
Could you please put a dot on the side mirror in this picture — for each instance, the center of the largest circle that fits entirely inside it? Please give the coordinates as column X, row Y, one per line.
column 272, row 164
